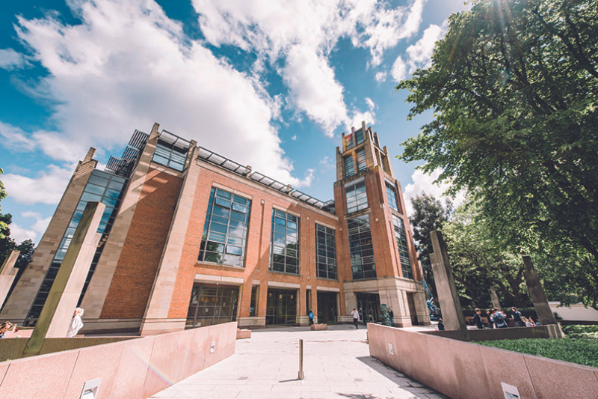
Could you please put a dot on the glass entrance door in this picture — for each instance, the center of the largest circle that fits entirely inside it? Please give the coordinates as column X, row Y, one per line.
column 212, row 304
column 327, row 309
column 369, row 305
column 281, row 307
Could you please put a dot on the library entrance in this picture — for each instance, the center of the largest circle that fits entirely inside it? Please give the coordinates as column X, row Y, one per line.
column 281, row 308
column 327, row 309
column 212, row 304
column 369, row 307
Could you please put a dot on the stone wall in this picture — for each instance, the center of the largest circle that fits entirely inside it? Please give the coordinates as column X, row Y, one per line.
column 137, row 368
column 465, row 370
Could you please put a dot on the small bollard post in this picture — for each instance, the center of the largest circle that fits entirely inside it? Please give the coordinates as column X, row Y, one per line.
column 301, row 376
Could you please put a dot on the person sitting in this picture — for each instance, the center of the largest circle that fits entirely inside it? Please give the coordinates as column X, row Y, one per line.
column 528, row 322
column 536, row 321
column 477, row 319
column 76, row 323
column 498, row 318
column 440, row 325
column 6, row 327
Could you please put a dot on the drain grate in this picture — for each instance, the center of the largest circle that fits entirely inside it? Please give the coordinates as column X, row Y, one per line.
column 243, row 378
column 358, row 379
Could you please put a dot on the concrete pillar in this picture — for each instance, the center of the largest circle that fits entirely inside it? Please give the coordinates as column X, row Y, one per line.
column 8, row 272
column 96, row 293
column 445, row 285
column 157, row 319
column 494, row 296
column 534, row 286
column 57, row 313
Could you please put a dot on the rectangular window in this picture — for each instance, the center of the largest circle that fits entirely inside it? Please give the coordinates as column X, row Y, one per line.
column 224, row 237
column 402, row 245
column 284, row 253
column 359, row 136
column 361, row 165
column 349, row 141
column 356, row 197
column 326, row 252
column 361, row 248
column 170, row 154
column 349, row 169
column 392, row 196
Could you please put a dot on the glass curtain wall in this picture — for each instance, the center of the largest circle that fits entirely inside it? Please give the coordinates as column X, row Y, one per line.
column 172, row 154
column 401, row 237
column 326, row 252
column 285, row 243
column 224, row 237
column 360, row 245
column 281, row 307
column 101, row 187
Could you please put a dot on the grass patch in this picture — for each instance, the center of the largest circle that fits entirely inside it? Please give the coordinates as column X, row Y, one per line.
column 580, row 345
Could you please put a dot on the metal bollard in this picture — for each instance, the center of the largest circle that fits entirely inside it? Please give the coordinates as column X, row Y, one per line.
column 301, row 376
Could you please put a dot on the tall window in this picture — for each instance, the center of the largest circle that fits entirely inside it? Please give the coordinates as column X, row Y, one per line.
column 285, row 243
column 361, row 165
column 359, row 136
column 356, row 197
column 349, row 141
column 101, row 187
column 349, row 169
column 402, row 244
column 362, row 251
column 392, row 196
column 224, row 236
column 170, row 154
column 326, row 252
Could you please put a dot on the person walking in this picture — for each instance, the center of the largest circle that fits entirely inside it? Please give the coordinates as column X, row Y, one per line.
column 76, row 323
column 477, row 319
column 440, row 325
column 517, row 317
column 355, row 314
column 391, row 314
column 311, row 317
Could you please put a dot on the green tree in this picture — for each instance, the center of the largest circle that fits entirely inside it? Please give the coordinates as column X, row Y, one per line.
column 428, row 215
column 513, row 87
column 479, row 261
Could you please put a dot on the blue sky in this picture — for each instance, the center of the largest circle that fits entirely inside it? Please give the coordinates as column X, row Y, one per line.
column 265, row 83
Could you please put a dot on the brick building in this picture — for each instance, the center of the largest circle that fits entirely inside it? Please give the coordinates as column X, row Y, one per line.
column 190, row 238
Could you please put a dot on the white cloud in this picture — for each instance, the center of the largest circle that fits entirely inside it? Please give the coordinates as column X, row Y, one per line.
column 424, row 183
column 419, row 55
column 128, row 65
column 303, row 33
column 34, row 232
column 326, row 163
column 399, row 69
column 46, row 188
column 370, row 103
column 294, row 138
column 10, row 59
column 15, row 139
column 381, row 77
column 20, row 234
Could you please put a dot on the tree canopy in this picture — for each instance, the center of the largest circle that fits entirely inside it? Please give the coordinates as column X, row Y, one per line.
column 513, row 86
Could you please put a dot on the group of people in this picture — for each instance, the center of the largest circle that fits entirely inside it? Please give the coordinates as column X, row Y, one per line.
column 498, row 319
column 74, row 327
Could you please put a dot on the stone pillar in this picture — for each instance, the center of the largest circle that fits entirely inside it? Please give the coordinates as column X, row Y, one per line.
column 494, row 296
column 157, row 319
column 445, row 286
column 56, row 316
column 536, row 292
column 8, row 272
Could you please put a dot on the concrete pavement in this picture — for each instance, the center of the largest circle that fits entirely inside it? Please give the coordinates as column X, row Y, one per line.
column 337, row 365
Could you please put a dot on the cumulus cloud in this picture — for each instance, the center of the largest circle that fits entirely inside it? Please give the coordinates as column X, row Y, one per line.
column 128, row 65
column 34, row 233
column 46, row 188
column 424, row 183
column 381, row 76
column 303, row 33
column 10, row 59
column 419, row 55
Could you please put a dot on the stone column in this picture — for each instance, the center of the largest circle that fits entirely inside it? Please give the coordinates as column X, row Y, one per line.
column 536, row 292
column 8, row 272
column 445, row 285
column 56, row 316
column 157, row 319
column 494, row 296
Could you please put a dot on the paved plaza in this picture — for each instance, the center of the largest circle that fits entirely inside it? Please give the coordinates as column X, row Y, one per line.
column 337, row 365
